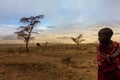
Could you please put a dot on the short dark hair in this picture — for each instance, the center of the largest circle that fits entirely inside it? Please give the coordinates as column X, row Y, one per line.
column 106, row 31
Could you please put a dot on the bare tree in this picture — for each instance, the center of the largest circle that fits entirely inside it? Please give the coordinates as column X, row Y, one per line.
column 78, row 40
column 26, row 31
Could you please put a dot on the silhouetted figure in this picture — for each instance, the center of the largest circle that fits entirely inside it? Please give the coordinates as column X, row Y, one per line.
column 108, row 56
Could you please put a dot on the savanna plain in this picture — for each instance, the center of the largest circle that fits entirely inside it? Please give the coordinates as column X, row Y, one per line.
column 51, row 62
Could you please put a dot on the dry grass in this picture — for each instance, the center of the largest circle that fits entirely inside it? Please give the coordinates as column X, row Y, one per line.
column 53, row 62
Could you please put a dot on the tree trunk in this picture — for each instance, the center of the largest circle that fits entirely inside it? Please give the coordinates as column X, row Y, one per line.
column 78, row 45
column 27, row 49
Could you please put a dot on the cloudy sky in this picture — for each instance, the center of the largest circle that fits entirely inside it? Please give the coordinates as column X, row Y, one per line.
column 58, row 12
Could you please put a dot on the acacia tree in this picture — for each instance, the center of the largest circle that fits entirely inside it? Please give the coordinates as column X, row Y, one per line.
column 78, row 40
column 26, row 31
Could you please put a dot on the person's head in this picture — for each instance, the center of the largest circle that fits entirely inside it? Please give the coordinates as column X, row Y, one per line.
column 104, row 35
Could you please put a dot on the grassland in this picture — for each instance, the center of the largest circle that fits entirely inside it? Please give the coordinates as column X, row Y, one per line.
column 53, row 62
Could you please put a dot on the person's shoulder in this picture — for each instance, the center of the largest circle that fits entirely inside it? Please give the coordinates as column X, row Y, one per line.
column 115, row 43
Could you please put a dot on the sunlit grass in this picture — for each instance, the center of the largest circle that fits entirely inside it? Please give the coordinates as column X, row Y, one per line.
column 53, row 62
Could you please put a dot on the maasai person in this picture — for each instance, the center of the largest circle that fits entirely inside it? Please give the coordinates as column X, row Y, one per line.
column 108, row 56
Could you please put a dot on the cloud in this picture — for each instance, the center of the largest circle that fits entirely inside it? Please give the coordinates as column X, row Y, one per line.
column 7, row 29
column 57, row 12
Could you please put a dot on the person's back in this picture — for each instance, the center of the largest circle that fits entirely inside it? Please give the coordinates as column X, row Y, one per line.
column 108, row 56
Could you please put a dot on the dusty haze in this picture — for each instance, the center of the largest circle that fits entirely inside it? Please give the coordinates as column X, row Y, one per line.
column 60, row 35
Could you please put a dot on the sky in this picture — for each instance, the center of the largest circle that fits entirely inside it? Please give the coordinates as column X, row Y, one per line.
column 58, row 13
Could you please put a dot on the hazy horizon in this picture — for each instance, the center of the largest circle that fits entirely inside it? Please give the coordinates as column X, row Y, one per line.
column 56, row 35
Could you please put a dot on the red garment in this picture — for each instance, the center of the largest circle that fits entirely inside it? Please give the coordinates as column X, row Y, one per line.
column 108, row 62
